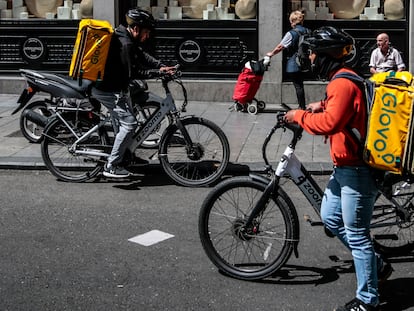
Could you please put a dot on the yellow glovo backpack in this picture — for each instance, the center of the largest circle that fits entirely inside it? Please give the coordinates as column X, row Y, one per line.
column 91, row 50
column 389, row 133
column 389, row 142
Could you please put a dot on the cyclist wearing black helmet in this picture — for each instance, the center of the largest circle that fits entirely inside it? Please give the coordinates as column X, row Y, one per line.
column 126, row 61
column 349, row 197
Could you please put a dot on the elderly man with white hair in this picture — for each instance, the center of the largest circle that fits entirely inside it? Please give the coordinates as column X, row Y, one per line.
column 385, row 57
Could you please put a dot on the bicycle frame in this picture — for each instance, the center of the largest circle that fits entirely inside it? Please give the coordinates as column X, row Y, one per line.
column 167, row 106
column 84, row 136
column 288, row 164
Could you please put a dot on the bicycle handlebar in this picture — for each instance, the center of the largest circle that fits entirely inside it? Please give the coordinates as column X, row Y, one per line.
column 295, row 128
column 167, row 77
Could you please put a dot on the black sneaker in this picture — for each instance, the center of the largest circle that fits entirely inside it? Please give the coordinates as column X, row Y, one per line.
column 357, row 305
column 384, row 272
column 115, row 171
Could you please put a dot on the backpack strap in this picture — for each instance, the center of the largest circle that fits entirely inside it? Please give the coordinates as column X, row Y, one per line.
column 296, row 34
column 366, row 86
column 362, row 84
column 350, row 76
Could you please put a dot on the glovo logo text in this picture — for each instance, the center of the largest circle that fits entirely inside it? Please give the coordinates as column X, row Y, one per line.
column 385, row 119
column 97, row 50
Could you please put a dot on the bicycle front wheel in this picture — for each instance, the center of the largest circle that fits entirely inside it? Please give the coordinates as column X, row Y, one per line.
column 392, row 226
column 247, row 253
column 63, row 159
column 197, row 164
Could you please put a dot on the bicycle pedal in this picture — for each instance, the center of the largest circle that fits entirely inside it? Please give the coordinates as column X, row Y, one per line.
column 312, row 222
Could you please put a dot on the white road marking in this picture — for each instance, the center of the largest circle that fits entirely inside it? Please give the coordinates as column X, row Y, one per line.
column 151, row 237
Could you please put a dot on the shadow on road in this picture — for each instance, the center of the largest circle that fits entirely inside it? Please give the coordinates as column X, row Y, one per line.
column 302, row 275
column 397, row 294
column 154, row 175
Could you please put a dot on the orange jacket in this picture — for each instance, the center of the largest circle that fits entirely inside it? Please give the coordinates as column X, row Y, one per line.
column 344, row 108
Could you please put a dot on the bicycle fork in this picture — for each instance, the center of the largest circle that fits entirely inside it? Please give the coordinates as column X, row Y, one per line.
column 261, row 204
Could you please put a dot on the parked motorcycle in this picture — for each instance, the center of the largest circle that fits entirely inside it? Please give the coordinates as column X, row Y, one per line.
column 61, row 91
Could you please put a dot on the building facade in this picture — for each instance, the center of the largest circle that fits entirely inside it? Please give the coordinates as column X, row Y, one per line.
column 211, row 39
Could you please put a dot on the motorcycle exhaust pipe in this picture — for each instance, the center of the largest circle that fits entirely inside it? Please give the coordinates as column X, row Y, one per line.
column 35, row 117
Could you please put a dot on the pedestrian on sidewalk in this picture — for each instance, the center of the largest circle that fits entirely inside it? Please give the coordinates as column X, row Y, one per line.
column 289, row 43
column 349, row 197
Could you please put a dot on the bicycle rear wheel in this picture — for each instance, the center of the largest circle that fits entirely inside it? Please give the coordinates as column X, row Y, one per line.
column 392, row 226
column 204, row 161
column 247, row 253
column 59, row 154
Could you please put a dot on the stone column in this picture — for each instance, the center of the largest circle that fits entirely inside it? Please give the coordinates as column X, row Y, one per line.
column 105, row 10
column 270, row 34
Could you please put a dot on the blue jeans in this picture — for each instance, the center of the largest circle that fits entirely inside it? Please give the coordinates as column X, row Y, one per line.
column 121, row 110
column 346, row 211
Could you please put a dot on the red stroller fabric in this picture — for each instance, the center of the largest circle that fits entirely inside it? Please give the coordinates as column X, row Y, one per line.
column 247, row 85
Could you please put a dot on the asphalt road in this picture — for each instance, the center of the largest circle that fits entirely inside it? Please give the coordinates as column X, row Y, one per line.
column 68, row 247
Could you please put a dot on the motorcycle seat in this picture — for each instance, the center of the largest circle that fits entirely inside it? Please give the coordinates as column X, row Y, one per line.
column 74, row 84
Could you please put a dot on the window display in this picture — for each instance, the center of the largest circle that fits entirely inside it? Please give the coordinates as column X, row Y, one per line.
column 362, row 19
column 46, row 9
column 200, row 9
column 352, row 9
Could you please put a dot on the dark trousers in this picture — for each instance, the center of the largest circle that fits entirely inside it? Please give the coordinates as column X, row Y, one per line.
column 297, row 79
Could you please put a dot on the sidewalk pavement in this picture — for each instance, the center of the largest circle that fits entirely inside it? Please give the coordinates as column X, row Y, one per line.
column 245, row 132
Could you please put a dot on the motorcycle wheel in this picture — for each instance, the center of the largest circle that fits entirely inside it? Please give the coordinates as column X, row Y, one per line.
column 30, row 130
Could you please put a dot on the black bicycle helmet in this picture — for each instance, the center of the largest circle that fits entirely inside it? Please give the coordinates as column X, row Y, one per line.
column 140, row 18
column 330, row 41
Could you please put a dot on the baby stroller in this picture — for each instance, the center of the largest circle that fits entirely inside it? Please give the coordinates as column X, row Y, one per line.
column 248, row 82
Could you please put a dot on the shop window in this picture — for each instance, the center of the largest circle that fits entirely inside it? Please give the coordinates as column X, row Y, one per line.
column 208, row 38
column 363, row 19
column 359, row 9
column 52, row 9
column 198, row 9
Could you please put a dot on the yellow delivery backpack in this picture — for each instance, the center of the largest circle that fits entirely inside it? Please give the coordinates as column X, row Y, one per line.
column 387, row 145
column 91, row 50
column 389, row 141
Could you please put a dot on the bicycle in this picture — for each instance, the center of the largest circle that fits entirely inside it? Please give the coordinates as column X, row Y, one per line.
column 193, row 151
column 249, row 226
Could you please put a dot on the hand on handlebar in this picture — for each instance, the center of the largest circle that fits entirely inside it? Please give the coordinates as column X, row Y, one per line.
column 312, row 107
column 170, row 70
column 315, row 107
column 289, row 116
